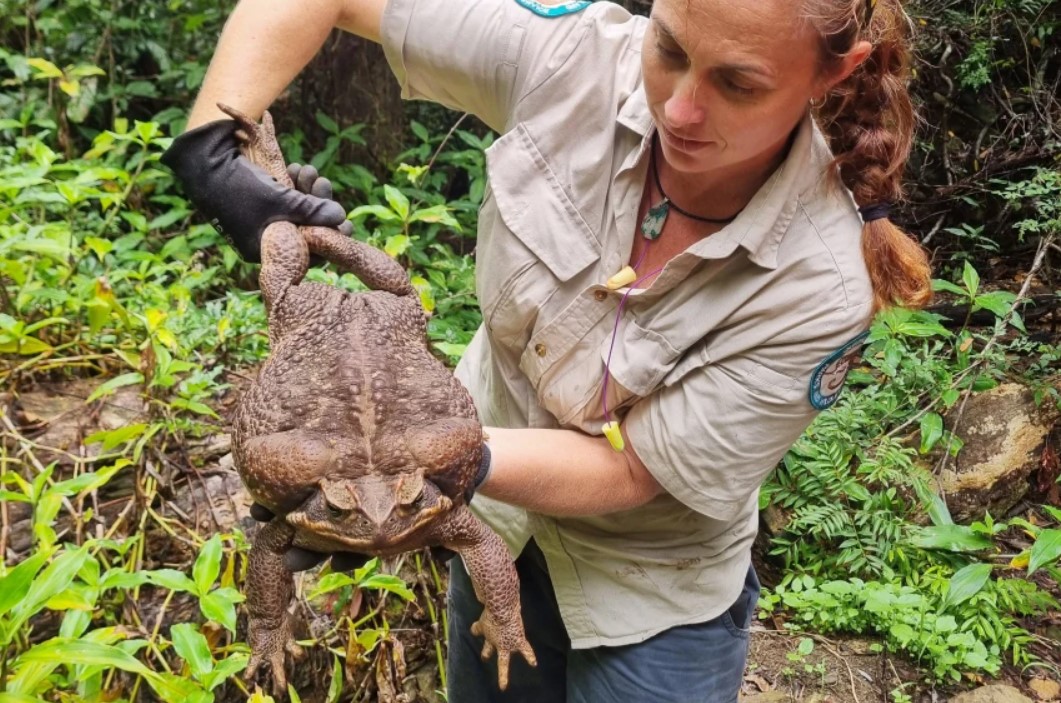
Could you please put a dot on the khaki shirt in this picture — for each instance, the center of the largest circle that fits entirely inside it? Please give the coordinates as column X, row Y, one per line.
column 711, row 365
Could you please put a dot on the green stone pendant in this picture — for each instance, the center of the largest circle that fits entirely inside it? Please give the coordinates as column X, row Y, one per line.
column 652, row 224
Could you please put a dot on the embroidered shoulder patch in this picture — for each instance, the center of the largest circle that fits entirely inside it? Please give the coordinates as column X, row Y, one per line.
column 828, row 378
column 557, row 10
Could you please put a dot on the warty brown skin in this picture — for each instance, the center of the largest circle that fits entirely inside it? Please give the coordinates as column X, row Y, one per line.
column 354, row 434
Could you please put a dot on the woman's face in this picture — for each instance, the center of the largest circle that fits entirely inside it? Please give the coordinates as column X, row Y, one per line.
column 728, row 80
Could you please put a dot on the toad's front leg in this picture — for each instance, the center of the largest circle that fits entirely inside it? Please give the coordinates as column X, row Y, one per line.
column 270, row 588
column 496, row 586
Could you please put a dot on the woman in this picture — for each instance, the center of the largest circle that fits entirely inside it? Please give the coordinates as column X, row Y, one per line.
column 668, row 253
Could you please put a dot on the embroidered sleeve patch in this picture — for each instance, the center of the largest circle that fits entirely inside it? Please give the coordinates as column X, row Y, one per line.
column 828, row 378
column 557, row 10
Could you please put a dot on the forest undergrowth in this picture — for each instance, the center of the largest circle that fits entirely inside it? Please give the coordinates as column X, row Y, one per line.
column 123, row 553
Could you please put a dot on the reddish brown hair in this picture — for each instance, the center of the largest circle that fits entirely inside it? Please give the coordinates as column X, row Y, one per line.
column 869, row 122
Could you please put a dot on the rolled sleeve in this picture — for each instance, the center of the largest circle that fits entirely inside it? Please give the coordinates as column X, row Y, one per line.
column 477, row 56
column 711, row 440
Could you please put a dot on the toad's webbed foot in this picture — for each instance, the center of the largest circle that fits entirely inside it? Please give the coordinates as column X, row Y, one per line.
column 270, row 646
column 504, row 636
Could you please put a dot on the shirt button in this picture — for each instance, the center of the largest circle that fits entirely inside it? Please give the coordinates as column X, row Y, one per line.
column 600, row 296
column 540, row 349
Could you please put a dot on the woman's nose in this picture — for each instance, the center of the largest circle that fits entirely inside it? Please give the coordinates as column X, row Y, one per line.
column 683, row 109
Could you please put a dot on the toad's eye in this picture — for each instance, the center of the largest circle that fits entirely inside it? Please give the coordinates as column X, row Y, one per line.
column 334, row 511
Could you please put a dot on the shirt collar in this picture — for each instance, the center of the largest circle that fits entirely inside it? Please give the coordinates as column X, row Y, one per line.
column 762, row 224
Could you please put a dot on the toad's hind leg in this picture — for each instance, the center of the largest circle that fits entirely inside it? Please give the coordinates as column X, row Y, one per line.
column 258, row 144
column 285, row 258
column 375, row 269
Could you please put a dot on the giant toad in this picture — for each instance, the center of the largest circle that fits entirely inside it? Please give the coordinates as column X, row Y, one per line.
column 353, row 434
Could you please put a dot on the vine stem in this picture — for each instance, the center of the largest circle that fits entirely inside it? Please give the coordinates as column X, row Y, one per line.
column 1045, row 243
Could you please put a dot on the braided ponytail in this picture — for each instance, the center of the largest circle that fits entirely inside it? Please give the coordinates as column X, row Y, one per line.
column 869, row 121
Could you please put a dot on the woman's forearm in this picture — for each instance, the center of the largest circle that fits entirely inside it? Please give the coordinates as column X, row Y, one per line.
column 565, row 473
column 266, row 43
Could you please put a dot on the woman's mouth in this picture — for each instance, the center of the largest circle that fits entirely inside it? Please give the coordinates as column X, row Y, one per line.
column 681, row 143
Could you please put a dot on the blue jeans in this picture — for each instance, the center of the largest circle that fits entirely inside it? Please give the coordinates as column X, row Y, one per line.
column 700, row 663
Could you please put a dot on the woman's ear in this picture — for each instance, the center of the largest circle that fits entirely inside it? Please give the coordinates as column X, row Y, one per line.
column 847, row 65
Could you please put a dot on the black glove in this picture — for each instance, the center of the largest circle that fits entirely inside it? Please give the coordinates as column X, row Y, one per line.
column 239, row 198
column 299, row 559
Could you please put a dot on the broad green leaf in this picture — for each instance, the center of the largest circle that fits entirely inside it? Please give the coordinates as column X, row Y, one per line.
column 902, row 632
column 193, row 648
column 332, row 582
column 25, row 345
column 947, row 287
column 936, row 506
column 193, row 406
column 971, row 279
column 966, row 583
column 89, row 481
column 335, row 687
column 327, row 122
column 224, row 670
column 931, row 431
column 172, row 579
column 946, row 623
column 378, row 211
column 147, row 131
column 220, row 606
column 75, row 622
column 260, row 696
column 109, row 386
column 168, row 218
column 73, row 598
column 55, row 579
column 998, row 302
column 952, row 538
column 418, row 129
column 396, row 245
column 59, row 251
column 436, row 213
column 397, row 201
column 44, row 68
column 449, row 349
column 207, row 565
column 177, row 689
column 1046, row 550
column 120, row 435
column 83, row 652
column 391, row 584
column 15, row 584
column 6, row 697
column 427, row 293
column 116, row 578
column 84, row 70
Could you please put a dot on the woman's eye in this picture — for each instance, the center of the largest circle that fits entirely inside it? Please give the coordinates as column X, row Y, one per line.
column 737, row 88
column 670, row 53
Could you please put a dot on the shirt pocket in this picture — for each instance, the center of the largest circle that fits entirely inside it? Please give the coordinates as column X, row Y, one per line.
column 532, row 238
column 571, row 389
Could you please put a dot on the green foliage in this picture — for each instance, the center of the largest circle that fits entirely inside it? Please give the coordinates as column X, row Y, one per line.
column 854, row 491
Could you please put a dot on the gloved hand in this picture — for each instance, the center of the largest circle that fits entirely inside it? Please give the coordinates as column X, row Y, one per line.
column 239, row 198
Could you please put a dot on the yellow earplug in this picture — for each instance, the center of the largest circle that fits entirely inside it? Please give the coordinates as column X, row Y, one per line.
column 624, row 277
column 615, row 437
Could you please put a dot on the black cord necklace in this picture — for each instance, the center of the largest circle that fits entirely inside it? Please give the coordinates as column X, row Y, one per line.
column 652, row 224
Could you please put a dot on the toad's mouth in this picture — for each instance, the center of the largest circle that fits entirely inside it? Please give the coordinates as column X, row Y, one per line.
column 355, row 532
